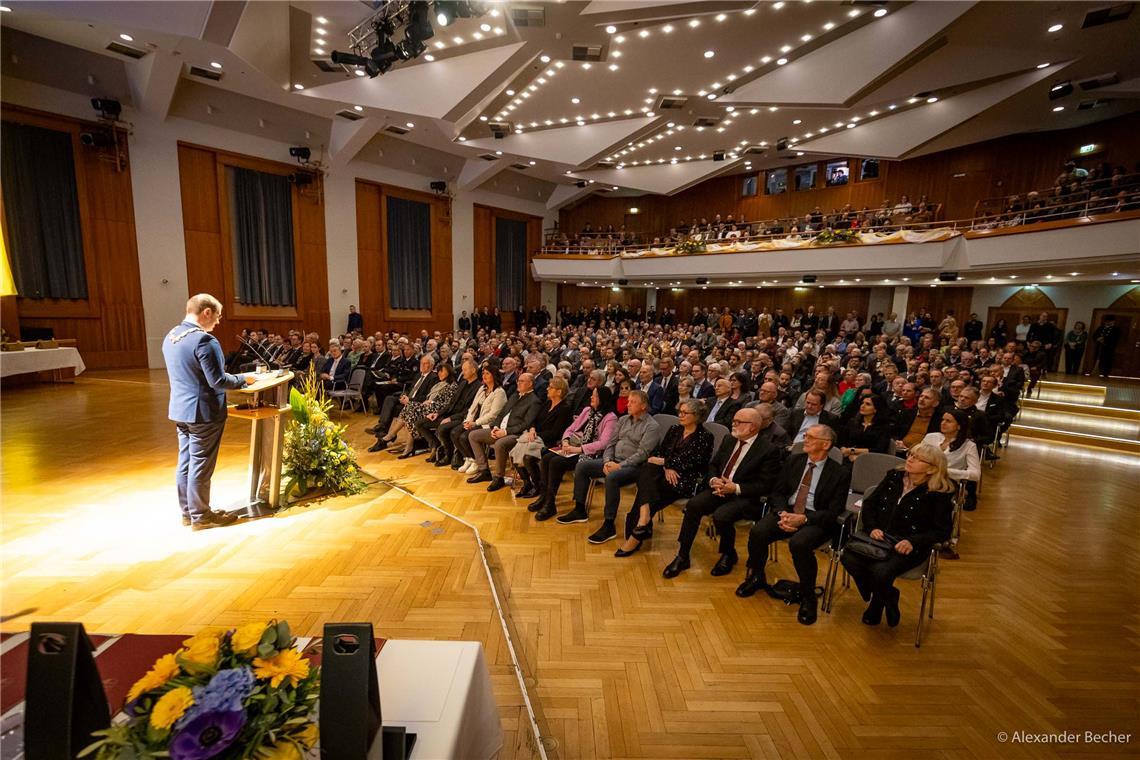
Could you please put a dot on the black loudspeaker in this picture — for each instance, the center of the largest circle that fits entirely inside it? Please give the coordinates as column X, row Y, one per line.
column 809, row 278
column 718, row 155
column 702, row 280
column 782, row 144
column 948, row 276
column 65, row 701
column 350, row 691
column 623, row 282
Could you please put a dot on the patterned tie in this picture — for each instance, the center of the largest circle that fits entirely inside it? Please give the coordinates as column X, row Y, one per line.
column 805, row 487
column 732, row 460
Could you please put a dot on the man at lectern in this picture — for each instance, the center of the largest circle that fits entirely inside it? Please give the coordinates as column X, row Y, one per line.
column 198, row 383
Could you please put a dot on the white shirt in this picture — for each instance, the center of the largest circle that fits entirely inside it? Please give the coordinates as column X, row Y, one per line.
column 810, row 420
column 716, row 408
column 963, row 464
column 983, row 401
column 744, row 447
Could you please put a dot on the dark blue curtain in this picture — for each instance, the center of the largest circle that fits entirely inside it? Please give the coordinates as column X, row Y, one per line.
column 510, row 264
column 41, row 207
column 409, row 254
column 261, row 211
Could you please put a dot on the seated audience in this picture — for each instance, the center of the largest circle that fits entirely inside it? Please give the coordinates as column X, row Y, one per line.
column 552, row 421
column 870, row 430
column 587, row 437
column 502, row 433
column 438, row 396
column 485, row 407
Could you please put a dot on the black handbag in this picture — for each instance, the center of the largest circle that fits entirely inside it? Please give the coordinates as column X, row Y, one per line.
column 862, row 544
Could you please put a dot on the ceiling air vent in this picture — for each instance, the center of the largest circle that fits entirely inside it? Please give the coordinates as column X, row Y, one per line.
column 520, row 167
column 350, row 115
column 488, row 157
column 707, row 121
column 202, row 72
column 324, row 64
column 1088, row 105
column 671, row 102
column 1103, row 80
column 528, row 15
column 1107, row 15
column 127, row 50
column 396, row 129
column 585, row 52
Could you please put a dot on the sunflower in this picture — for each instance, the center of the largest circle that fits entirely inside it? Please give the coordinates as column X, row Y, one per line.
column 285, row 664
column 170, row 707
column 165, row 668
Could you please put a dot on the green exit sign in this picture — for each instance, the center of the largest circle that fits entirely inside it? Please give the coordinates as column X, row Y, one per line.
column 1084, row 150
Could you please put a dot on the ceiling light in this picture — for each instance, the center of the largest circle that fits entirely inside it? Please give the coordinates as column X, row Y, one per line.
column 677, row 147
column 126, row 38
column 5, row 9
column 668, row 28
column 766, row 59
column 410, row 125
column 462, row 138
column 215, row 65
column 298, row 86
column 880, row 13
column 797, row 121
column 829, row 26
column 1056, row 27
column 457, row 40
column 510, row 93
column 777, row 6
column 498, row 153
column 581, row 123
column 649, row 114
column 478, row 35
column 322, row 20
column 1116, row 274
column 482, row 118
column 359, row 72
column 321, row 32
column 694, row 23
column 615, row 187
column 932, row 99
column 749, row 12
column 439, row 45
column 710, row 53
column 586, row 65
column 1057, row 109
column 781, row 61
column 854, row 13
column 613, row 67
column 643, row 33
column 358, row 108
column 429, row 57
column 485, row 27
column 799, row 152
column 532, row 163
column 711, row 96
column 616, row 54
column 805, row 38
column 611, row 29
column 575, row 101
column 786, row 49
column 851, row 126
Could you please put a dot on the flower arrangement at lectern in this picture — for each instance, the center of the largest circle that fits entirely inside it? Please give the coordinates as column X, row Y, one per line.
column 316, row 452
column 241, row 693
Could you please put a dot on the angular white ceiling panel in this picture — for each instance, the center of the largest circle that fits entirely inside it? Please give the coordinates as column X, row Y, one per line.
column 664, row 179
column 565, row 194
column 186, row 19
column 569, row 145
column 898, row 134
column 431, row 91
column 838, row 71
column 476, row 171
column 620, row 6
column 262, row 40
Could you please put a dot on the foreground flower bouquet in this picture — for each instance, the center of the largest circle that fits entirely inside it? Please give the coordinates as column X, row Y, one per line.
column 243, row 693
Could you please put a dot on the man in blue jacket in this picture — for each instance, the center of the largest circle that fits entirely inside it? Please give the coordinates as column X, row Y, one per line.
column 198, row 383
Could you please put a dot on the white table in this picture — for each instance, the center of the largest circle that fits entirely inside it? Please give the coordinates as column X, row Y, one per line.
column 40, row 360
column 441, row 692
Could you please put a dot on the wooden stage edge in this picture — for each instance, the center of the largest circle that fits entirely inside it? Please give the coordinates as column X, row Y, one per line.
column 1035, row 629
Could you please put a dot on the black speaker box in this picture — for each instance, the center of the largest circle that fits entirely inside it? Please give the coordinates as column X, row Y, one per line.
column 350, row 691
column 65, row 701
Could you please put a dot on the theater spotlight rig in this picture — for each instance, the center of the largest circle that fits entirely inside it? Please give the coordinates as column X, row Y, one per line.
column 398, row 30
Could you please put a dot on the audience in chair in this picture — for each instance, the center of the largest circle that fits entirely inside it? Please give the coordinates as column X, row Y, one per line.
column 553, row 418
column 586, row 438
column 911, row 509
column 673, row 472
column 804, row 509
column 518, row 415
column 484, row 410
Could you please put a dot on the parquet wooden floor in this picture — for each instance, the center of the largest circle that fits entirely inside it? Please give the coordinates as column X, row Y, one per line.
column 1036, row 626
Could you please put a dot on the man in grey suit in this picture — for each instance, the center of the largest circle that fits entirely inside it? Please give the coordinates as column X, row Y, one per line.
column 517, row 416
column 198, row 383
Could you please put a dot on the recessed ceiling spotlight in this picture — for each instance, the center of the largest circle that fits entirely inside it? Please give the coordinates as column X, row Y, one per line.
column 613, row 67
column 510, row 93
column 359, row 72
column 880, row 13
column 1057, row 109
column 298, row 86
column 932, row 99
column 586, row 65
column 482, row 118
column 643, row 33
column 694, row 23
column 781, row 61
column 1056, row 27
column 851, row 126
column 829, row 26
column 786, row 49
column 1043, row 65
column 711, row 96
column 575, row 101
column 777, row 6
column 478, row 35
column 500, row 30
column 710, row 53
column 1116, row 274
column 457, row 40
column 358, row 108
column 892, row 107
column 544, row 59
column 126, row 37
column 611, row 29
column 5, row 9
column 797, row 121
column 429, row 57
column 649, row 114
column 805, row 38
column 854, row 13
column 439, row 45
column 215, row 65
column 498, row 153
column 581, row 123
column 410, row 125
column 799, row 152
column 485, row 27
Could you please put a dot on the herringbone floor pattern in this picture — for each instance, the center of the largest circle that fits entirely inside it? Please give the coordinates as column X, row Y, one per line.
column 1035, row 627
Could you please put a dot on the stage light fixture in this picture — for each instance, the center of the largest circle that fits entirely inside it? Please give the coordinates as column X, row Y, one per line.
column 445, row 12
column 301, row 153
column 108, row 108
column 419, row 26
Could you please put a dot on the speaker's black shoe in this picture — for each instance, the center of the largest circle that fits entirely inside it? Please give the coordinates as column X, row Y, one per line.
column 623, row 553
column 441, row 461
column 751, row 585
column 482, row 476
column 724, row 565
column 891, row 607
column 214, row 520
column 676, row 567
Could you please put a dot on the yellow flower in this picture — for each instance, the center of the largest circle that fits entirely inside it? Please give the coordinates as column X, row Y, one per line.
column 247, row 636
column 201, row 649
column 286, row 663
column 281, row 751
column 308, row 735
column 165, row 668
column 170, row 707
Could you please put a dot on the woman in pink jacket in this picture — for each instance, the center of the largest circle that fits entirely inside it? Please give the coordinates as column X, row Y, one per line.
column 587, row 436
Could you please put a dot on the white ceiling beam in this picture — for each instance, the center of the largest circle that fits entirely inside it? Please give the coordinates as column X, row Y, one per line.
column 663, row 179
column 476, row 171
column 573, row 146
column 348, row 138
column 153, row 82
column 564, row 195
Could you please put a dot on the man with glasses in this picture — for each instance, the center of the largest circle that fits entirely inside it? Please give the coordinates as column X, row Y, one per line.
column 804, row 509
column 740, row 475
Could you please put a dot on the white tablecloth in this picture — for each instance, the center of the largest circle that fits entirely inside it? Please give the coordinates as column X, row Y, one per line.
column 40, row 360
column 440, row 691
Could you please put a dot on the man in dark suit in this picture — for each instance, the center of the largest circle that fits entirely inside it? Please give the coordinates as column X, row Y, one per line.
column 669, row 386
column 741, row 473
column 464, row 322
column 510, row 376
column 804, row 509
column 646, row 382
column 811, row 413
column 1012, row 378
column 415, row 390
column 517, row 416
column 702, row 388
column 198, row 383
column 722, row 407
column 334, row 375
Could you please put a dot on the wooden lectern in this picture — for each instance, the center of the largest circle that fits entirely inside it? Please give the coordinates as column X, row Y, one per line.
column 266, row 405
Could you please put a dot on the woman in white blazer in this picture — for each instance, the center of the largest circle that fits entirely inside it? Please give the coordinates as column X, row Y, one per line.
column 485, row 407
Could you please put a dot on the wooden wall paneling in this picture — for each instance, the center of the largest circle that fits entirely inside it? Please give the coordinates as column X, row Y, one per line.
column 788, row 299
column 441, row 315
column 106, row 325
column 484, row 293
column 370, row 255
column 939, row 300
column 956, row 178
column 574, row 297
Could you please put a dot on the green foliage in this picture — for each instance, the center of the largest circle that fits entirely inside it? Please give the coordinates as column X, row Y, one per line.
column 690, row 245
column 835, row 237
column 316, row 452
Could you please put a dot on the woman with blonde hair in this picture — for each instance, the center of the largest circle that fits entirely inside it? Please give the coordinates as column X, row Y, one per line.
column 910, row 510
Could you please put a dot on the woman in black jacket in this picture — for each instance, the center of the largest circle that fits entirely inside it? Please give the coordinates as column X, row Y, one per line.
column 548, row 428
column 869, row 431
column 673, row 472
column 911, row 509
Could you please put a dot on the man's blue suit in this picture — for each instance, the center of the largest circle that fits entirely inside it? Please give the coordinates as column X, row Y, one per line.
column 198, row 383
column 340, row 377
